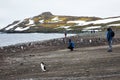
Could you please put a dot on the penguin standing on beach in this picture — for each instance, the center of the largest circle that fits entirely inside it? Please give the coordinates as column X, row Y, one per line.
column 90, row 41
column 43, row 67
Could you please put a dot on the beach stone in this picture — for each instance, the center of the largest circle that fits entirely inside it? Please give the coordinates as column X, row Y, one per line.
column 21, row 64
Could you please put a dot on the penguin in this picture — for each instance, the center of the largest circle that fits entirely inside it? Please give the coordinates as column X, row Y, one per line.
column 81, row 40
column 90, row 41
column 43, row 67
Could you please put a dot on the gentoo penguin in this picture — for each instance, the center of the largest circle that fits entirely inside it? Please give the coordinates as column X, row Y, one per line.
column 43, row 66
column 90, row 41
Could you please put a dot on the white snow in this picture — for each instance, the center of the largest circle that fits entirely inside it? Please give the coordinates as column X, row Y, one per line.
column 31, row 21
column 103, row 21
column 41, row 21
column 114, row 25
column 78, row 22
column 93, row 27
column 91, row 30
column 66, row 27
column 56, row 19
column 12, row 26
column 21, row 29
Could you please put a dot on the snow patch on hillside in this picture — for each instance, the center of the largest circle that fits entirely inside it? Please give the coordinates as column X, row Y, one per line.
column 41, row 21
column 31, row 21
column 103, row 21
column 77, row 22
column 92, row 28
column 21, row 29
column 12, row 26
column 56, row 19
column 65, row 27
column 114, row 25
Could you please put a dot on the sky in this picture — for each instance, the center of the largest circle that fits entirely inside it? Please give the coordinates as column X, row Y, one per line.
column 11, row 10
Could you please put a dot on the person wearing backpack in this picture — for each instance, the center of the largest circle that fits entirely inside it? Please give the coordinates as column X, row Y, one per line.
column 71, row 45
column 110, row 35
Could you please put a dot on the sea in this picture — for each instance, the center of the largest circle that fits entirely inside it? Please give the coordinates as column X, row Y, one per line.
column 7, row 39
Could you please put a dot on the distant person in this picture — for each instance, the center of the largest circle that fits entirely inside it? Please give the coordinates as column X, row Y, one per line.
column 110, row 34
column 71, row 45
column 65, row 33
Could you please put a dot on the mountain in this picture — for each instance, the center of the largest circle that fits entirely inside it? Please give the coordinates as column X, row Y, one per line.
column 47, row 22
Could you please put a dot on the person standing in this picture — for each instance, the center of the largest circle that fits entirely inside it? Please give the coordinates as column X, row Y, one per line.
column 110, row 35
column 65, row 33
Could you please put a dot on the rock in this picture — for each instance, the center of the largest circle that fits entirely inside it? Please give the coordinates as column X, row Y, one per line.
column 21, row 64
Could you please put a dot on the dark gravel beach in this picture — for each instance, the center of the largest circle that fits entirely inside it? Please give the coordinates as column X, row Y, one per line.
column 89, row 61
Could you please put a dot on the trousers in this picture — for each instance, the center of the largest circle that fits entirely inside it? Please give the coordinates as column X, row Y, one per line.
column 110, row 44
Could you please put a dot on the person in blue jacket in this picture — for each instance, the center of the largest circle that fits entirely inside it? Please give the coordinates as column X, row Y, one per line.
column 109, row 39
column 71, row 45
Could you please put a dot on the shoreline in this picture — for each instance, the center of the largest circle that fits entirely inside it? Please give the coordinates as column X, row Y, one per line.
column 14, row 39
column 97, row 39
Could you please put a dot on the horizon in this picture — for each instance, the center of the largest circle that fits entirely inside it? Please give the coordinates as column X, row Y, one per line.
column 12, row 10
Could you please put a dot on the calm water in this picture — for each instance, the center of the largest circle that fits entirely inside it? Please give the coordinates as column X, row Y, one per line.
column 11, row 39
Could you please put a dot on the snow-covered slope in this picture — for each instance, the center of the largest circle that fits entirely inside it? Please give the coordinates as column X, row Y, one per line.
column 102, row 21
column 46, row 22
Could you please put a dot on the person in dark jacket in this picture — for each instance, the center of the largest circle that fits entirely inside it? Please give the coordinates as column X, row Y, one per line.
column 71, row 45
column 109, row 39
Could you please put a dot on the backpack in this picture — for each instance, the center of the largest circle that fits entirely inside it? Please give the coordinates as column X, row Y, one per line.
column 112, row 33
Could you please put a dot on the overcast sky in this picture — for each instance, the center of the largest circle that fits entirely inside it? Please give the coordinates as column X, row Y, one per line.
column 11, row 10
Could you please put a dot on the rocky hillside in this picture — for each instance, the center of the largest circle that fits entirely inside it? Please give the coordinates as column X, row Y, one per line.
column 47, row 22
